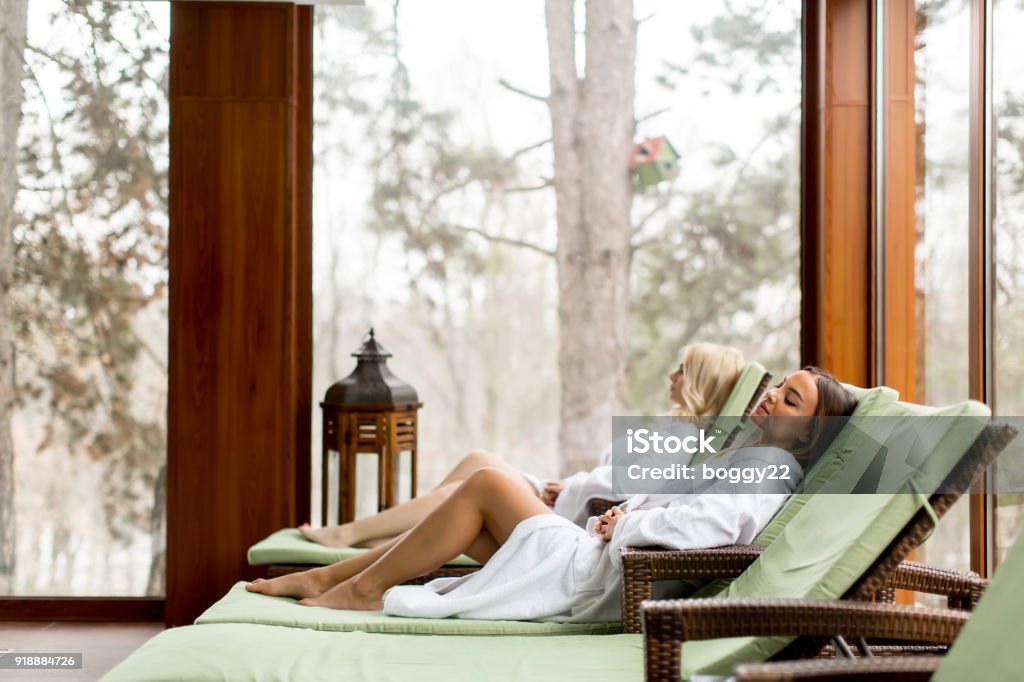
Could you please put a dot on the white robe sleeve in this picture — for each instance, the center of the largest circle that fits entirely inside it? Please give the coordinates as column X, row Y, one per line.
column 573, row 502
column 709, row 520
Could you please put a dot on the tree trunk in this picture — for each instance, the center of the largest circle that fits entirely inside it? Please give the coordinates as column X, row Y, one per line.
column 156, row 583
column 592, row 125
column 12, row 61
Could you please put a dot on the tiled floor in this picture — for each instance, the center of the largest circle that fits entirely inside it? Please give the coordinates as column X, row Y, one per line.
column 103, row 645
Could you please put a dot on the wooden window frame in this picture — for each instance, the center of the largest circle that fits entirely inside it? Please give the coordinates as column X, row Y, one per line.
column 853, row 46
column 981, row 272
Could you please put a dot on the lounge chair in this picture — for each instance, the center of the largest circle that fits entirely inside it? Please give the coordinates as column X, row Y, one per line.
column 980, row 648
column 273, row 652
column 815, row 559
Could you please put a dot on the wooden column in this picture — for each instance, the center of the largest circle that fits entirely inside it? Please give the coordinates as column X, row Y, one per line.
column 240, row 289
column 900, row 174
column 837, row 193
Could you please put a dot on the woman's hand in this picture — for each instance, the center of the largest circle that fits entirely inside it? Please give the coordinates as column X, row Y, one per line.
column 606, row 522
column 551, row 491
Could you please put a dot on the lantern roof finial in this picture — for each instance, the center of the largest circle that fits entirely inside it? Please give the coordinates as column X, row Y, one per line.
column 371, row 382
column 371, row 349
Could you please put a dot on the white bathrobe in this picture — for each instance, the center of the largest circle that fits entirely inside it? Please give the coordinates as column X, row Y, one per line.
column 551, row 569
column 573, row 502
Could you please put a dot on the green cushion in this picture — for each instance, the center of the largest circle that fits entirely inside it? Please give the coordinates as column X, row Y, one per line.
column 744, row 390
column 827, row 547
column 288, row 546
column 732, row 413
column 983, row 645
column 870, row 402
column 266, row 653
column 240, row 606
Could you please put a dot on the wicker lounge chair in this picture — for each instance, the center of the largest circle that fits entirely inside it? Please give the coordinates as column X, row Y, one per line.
column 979, row 648
column 668, row 624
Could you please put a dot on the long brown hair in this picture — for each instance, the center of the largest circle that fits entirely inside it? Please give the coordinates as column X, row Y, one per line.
column 833, row 401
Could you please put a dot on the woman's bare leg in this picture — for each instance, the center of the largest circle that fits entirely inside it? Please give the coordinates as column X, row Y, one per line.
column 400, row 518
column 387, row 524
column 489, row 502
column 313, row 582
column 478, row 459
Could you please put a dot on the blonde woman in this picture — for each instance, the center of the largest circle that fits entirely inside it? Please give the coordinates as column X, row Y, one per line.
column 698, row 387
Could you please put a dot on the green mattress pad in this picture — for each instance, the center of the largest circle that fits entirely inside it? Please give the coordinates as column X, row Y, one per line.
column 288, row 546
column 985, row 644
column 241, row 606
column 268, row 653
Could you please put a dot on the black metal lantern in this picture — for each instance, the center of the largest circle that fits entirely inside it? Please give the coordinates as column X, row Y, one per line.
column 371, row 411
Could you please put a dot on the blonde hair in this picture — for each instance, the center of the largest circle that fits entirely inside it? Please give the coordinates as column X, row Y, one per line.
column 709, row 373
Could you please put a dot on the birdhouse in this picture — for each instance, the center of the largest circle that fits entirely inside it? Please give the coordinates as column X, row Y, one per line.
column 369, row 412
column 654, row 160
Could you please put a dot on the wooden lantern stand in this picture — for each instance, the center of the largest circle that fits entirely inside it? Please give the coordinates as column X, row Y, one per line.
column 371, row 411
column 382, row 430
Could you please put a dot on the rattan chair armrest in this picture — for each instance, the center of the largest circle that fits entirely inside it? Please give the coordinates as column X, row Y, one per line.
column 642, row 566
column 693, row 564
column 598, row 505
column 667, row 624
column 899, row 669
column 962, row 589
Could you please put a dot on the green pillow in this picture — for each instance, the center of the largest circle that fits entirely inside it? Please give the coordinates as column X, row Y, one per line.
column 744, row 390
column 732, row 416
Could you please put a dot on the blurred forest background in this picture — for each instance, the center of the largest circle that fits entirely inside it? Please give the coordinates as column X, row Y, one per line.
column 442, row 178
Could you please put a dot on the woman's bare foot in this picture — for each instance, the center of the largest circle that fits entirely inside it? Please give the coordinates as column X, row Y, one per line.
column 348, row 595
column 328, row 536
column 300, row 585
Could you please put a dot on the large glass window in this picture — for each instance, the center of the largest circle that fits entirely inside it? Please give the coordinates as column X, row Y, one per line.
column 941, row 100
column 435, row 212
column 1008, row 205
column 88, row 307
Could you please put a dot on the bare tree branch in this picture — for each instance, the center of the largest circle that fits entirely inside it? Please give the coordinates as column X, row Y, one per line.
column 498, row 239
column 646, row 241
column 530, row 188
column 530, row 148
column 519, row 91
column 657, row 112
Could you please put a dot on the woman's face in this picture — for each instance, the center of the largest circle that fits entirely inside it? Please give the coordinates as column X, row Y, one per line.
column 786, row 413
column 675, row 392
